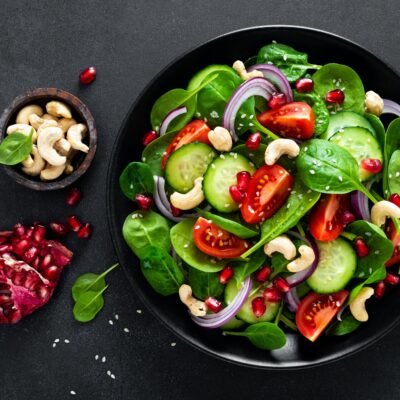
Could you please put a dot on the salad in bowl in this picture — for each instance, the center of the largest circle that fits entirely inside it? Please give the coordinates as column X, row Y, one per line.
column 267, row 198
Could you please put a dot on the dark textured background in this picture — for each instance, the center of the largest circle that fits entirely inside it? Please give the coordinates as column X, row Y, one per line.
column 47, row 43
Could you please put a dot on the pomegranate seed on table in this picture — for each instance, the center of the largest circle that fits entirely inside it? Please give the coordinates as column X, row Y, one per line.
column 88, row 75
column 85, row 231
column 73, row 223
column 392, row 279
column 149, row 137
column 372, row 165
column 277, row 100
column 281, row 284
column 380, row 289
column 394, row 198
column 258, row 306
column 263, row 274
column 348, row 218
column 272, row 295
column 225, row 275
column 58, row 228
column 144, row 202
column 335, row 96
column 304, row 85
column 253, row 141
column 243, row 179
column 236, row 194
column 176, row 212
column 74, row 196
column 213, row 304
column 361, row 248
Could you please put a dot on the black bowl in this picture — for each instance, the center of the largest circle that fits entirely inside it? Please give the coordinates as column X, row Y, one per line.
column 322, row 48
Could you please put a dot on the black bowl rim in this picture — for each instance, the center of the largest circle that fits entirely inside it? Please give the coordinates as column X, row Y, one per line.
column 113, row 227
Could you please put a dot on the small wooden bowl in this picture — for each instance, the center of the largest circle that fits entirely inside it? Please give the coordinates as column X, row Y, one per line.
column 80, row 112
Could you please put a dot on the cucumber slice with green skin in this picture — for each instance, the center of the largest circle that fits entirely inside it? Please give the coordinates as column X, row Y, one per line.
column 360, row 143
column 246, row 312
column 234, row 323
column 186, row 164
column 220, row 175
column 345, row 119
column 337, row 265
column 197, row 79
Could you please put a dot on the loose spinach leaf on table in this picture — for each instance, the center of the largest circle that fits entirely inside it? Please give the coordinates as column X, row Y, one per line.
column 15, row 148
column 246, row 268
column 136, row 178
column 205, row 284
column 347, row 325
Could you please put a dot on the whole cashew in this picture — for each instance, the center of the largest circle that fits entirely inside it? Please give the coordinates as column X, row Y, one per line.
column 66, row 123
column 63, row 146
column 75, row 135
column 357, row 305
column 38, row 163
column 220, row 138
column 46, row 124
column 191, row 199
column 383, row 209
column 58, row 109
column 49, row 117
column 196, row 307
column 22, row 128
column 28, row 162
column 307, row 257
column 51, row 172
column 69, row 169
column 281, row 244
column 279, row 147
column 46, row 141
column 36, row 121
column 373, row 103
column 239, row 67
column 24, row 113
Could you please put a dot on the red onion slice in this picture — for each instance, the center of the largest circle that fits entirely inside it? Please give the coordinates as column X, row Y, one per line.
column 391, row 107
column 359, row 203
column 276, row 77
column 292, row 300
column 169, row 117
column 213, row 321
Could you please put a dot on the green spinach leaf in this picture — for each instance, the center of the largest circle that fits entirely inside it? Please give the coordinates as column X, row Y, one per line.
column 246, row 268
column 255, row 156
column 378, row 128
column 15, row 148
column 379, row 274
column 136, row 178
column 205, row 284
column 347, row 325
column 392, row 144
column 393, row 174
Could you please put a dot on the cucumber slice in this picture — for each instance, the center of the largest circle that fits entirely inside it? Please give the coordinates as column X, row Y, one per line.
column 360, row 143
column 198, row 78
column 220, row 175
column 186, row 164
column 246, row 312
column 345, row 119
column 233, row 324
column 337, row 265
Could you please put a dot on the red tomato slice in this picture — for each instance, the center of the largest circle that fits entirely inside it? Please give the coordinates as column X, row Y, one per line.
column 268, row 189
column 294, row 120
column 316, row 311
column 392, row 234
column 217, row 242
column 325, row 219
column 195, row 131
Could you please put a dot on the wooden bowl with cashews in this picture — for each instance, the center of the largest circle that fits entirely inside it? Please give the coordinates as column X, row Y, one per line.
column 64, row 137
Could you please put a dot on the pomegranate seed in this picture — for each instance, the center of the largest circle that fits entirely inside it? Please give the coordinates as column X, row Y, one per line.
column 253, row 141
column 73, row 223
column 263, row 274
column 20, row 247
column 73, row 197
column 394, row 198
column 361, row 248
column 30, row 254
column 335, row 96
column 213, row 304
column 85, row 231
column 58, row 228
column 35, row 263
column 3, row 239
column 243, row 179
column 392, row 279
column 304, row 85
column 19, row 230
column 29, row 232
column 258, row 306
column 176, row 212
column 52, row 273
column 277, row 100
column 14, row 316
column 372, row 165
column 272, row 295
column 348, row 218
column 144, row 202
column 225, row 275
column 380, row 289
column 46, row 262
column 149, row 137
column 39, row 233
column 236, row 194
column 281, row 284
column 88, row 75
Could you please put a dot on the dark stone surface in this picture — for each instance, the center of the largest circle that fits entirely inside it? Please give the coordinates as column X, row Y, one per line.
column 47, row 44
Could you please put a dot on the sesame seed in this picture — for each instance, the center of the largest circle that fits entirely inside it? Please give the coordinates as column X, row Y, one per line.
column 54, row 345
column 222, row 156
column 334, row 161
column 139, row 311
column 213, row 261
column 251, row 124
column 126, row 330
column 227, row 204
column 376, row 252
column 197, row 227
column 305, row 148
column 108, row 372
column 243, row 116
column 285, row 57
column 111, row 322
column 112, row 376
column 312, row 172
column 338, row 304
column 212, row 166
column 116, row 316
column 144, row 159
column 173, row 344
column 66, row 341
column 327, row 187
column 96, row 357
column 186, row 245
column 73, row 393
column 56, row 340
column 370, row 270
column 340, row 178
column 251, row 116
column 103, row 360
column 368, row 234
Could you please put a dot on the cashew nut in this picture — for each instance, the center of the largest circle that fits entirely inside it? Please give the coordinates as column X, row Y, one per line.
column 22, row 128
column 24, row 113
column 66, row 123
column 46, row 141
column 75, row 135
column 357, row 305
column 220, row 138
column 191, row 199
column 196, row 307
column 35, row 121
column 28, row 162
column 58, row 109
column 279, row 147
column 69, row 169
column 38, row 163
column 51, row 172
column 63, row 146
column 46, row 123
column 383, row 209
column 49, row 117
column 239, row 67
column 281, row 244
column 373, row 103
column 307, row 257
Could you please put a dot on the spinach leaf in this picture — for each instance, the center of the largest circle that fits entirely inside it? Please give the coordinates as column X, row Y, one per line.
column 378, row 127
column 380, row 247
column 255, row 156
column 161, row 271
column 145, row 228
column 393, row 175
column 379, row 274
column 136, row 178
column 183, row 243
column 294, row 64
column 246, row 268
column 264, row 335
column 200, row 76
column 205, row 284
column 347, row 325
column 15, row 148
column 299, row 202
column 392, row 144
column 339, row 76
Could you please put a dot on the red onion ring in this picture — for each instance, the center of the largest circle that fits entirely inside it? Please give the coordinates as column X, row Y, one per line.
column 391, row 107
column 359, row 203
column 292, row 299
column 169, row 117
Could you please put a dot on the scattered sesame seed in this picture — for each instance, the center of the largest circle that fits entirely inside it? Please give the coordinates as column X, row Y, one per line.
column 251, row 124
column 213, row 261
column 96, row 357
column 108, row 372
column 111, row 322
column 73, row 393
column 227, row 204
column 144, row 159
column 327, row 187
column 340, row 178
column 370, row 270
column 116, row 316
column 112, row 376
column 56, row 340
column 305, row 148
column 377, row 252
column 126, row 330
column 139, row 311
column 66, row 341
column 212, row 166
column 243, row 116
column 334, row 161
column 222, row 156
column 285, row 57
column 312, row 172
column 251, row 116
column 197, row 227
column 54, row 345
column 103, row 360
column 368, row 234
column 186, row 245
column 338, row 304
column 173, row 344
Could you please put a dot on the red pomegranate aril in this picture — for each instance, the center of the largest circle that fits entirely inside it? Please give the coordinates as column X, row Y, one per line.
column 394, row 198
column 226, row 275
column 36, row 263
column 30, row 254
column 236, row 194
column 392, row 279
column 85, row 231
column 304, row 85
column 58, row 228
column 46, row 262
column 277, row 100
column 20, row 246
column 52, row 273
column 14, row 316
column 272, row 295
column 253, row 141
column 73, row 197
column 281, row 284
column 243, row 179
column 73, row 223
column 29, row 232
column 144, row 202
column 88, row 75
column 380, row 289
column 348, row 218
column 213, row 304
column 19, row 230
column 258, row 306
column 335, row 96
column 43, row 291
column 263, row 274
column 176, row 212
column 372, row 165
column 39, row 233
column 149, row 137
column 361, row 248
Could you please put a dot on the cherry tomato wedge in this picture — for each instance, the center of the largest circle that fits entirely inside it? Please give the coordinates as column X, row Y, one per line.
column 392, row 234
column 268, row 189
column 195, row 131
column 316, row 311
column 216, row 242
column 293, row 120
column 326, row 218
